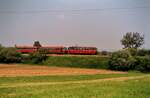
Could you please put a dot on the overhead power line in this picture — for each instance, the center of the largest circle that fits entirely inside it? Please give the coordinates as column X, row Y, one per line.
column 73, row 10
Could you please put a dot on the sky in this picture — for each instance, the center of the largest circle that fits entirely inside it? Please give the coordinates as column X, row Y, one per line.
column 100, row 23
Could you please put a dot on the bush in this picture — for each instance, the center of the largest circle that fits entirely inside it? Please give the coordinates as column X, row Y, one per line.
column 132, row 51
column 9, row 55
column 143, row 52
column 1, row 47
column 143, row 64
column 105, row 53
column 37, row 57
column 43, row 51
column 122, row 60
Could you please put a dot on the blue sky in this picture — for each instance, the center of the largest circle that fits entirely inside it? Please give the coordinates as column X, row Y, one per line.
column 99, row 23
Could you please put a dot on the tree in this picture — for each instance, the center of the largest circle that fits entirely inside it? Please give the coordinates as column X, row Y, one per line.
column 1, row 47
column 132, row 40
column 37, row 57
column 122, row 60
column 37, row 44
column 10, row 55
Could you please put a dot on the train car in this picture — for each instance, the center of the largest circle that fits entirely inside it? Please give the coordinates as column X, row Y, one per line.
column 82, row 50
column 54, row 49
column 46, row 49
column 26, row 49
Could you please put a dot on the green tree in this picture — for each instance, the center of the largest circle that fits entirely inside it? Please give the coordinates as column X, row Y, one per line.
column 132, row 40
column 1, row 47
column 37, row 57
column 9, row 55
column 37, row 44
column 122, row 60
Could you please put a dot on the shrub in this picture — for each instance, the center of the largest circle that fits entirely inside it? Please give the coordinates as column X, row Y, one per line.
column 132, row 51
column 122, row 60
column 105, row 53
column 143, row 52
column 10, row 55
column 37, row 57
column 1, row 47
column 43, row 51
column 143, row 64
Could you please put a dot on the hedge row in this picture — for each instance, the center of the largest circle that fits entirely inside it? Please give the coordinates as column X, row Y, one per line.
column 125, row 60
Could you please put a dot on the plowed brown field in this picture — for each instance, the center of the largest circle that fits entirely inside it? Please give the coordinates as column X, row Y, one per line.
column 12, row 70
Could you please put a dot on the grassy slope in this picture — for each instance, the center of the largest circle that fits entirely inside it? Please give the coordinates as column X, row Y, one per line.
column 136, row 88
column 77, row 61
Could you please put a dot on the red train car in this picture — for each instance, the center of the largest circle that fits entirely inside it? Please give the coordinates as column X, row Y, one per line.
column 26, row 49
column 54, row 49
column 47, row 49
column 82, row 50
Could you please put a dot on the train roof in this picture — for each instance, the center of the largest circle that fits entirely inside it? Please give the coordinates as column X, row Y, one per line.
column 25, row 47
column 41, row 47
column 82, row 47
column 52, row 46
column 55, row 47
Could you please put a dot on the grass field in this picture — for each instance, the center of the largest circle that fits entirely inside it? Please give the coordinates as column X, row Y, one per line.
column 116, row 85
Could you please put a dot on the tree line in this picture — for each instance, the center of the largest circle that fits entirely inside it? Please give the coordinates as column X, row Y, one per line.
column 131, row 57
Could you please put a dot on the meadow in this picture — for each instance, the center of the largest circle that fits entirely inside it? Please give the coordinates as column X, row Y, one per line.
column 71, row 77
column 116, row 85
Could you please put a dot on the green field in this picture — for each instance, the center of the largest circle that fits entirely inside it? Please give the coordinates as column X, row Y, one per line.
column 131, row 85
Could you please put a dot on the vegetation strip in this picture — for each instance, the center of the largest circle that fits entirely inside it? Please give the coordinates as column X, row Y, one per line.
column 74, row 82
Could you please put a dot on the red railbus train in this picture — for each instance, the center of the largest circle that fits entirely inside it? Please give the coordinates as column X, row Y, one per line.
column 59, row 50
column 82, row 50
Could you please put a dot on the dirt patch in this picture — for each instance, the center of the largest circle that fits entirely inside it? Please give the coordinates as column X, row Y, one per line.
column 12, row 70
